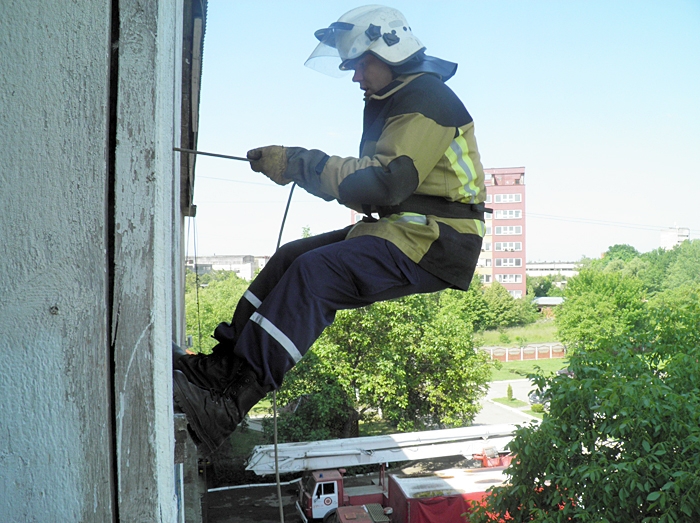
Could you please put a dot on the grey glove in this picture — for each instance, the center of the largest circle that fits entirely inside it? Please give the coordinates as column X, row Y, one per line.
column 271, row 161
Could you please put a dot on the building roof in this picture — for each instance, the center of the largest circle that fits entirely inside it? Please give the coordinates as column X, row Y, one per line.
column 548, row 300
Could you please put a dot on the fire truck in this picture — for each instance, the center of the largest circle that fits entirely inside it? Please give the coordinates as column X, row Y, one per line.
column 324, row 496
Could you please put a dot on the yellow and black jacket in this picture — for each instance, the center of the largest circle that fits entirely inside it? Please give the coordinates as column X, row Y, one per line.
column 419, row 169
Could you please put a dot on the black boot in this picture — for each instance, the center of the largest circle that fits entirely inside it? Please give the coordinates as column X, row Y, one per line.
column 213, row 415
column 208, row 371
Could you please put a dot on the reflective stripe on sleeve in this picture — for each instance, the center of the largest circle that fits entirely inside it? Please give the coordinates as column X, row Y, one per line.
column 278, row 335
column 458, row 155
column 252, row 298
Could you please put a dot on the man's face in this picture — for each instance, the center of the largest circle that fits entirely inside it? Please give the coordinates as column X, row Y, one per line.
column 372, row 74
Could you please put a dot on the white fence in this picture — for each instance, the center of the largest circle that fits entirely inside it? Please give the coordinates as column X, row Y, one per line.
column 542, row 351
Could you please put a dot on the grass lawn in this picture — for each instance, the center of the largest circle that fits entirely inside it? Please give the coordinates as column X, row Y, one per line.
column 264, row 408
column 538, row 415
column 515, row 370
column 376, row 428
column 543, row 331
column 244, row 440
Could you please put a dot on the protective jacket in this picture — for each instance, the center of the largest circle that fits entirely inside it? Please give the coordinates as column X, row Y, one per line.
column 419, row 170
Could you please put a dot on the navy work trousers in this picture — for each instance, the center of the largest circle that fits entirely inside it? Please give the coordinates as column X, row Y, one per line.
column 297, row 294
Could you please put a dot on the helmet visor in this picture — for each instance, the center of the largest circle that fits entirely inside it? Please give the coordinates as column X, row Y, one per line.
column 325, row 58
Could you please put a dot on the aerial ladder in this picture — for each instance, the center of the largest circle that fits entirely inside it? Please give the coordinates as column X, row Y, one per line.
column 410, row 446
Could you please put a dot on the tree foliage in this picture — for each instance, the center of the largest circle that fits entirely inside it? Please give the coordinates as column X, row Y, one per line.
column 412, row 360
column 316, row 407
column 613, row 304
column 540, row 286
column 685, row 267
column 621, row 442
column 502, row 310
column 210, row 299
column 602, row 310
column 621, row 252
column 621, row 438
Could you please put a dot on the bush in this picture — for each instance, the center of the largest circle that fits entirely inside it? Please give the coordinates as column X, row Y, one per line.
column 622, row 439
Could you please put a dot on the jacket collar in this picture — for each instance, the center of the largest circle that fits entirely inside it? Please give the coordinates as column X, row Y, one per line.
column 396, row 84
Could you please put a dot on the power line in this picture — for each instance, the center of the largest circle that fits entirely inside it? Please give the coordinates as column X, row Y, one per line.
column 608, row 223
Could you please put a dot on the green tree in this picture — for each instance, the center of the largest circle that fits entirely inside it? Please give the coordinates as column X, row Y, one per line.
column 210, row 299
column 506, row 311
column 621, row 439
column 686, row 266
column 602, row 310
column 622, row 252
column 656, row 264
column 412, row 360
column 673, row 318
column 539, row 286
column 470, row 305
column 317, row 405
column 621, row 442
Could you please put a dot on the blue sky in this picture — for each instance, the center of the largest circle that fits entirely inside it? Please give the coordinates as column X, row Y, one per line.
column 598, row 100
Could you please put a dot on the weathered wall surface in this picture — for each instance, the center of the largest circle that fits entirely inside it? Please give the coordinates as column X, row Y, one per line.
column 55, row 385
column 144, row 243
column 86, row 315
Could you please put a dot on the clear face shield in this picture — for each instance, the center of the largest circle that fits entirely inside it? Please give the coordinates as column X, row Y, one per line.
column 340, row 42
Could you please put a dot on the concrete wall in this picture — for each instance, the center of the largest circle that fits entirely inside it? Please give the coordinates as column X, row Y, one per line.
column 89, row 231
column 55, row 384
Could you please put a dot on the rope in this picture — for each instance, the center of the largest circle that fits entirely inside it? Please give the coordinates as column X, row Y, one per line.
column 196, row 279
column 196, row 287
column 190, row 222
column 274, row 392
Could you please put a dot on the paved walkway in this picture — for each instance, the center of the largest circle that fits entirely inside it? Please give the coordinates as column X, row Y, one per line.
column 493, row 413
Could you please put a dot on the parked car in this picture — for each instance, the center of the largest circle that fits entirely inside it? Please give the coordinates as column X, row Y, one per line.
column 541, row 396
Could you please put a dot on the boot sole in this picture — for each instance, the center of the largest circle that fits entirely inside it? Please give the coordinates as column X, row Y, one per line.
column 180, row 385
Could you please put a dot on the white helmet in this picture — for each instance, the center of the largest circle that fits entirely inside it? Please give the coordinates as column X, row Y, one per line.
column 380, row 30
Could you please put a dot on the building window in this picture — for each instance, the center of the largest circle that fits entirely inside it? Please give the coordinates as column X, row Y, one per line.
column 509, row 230
column 484, row 262
column 516, row 294
column 507, row 198
column 487, row 216
column 509, row 246
column 509, row 262
column 488, row 199
column 485, row 278
column 509, row 214
column 509, row 278
column 486, row 246
column 488, row 230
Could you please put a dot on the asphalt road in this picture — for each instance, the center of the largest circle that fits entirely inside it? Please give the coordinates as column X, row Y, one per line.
column 493, row 413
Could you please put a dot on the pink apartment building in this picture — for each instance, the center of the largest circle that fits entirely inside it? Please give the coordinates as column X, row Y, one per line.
column 503, row 251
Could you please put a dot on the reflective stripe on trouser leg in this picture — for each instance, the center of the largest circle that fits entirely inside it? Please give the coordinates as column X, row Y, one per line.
column 252, row 298
column 279, row 336
column 344, row 275
column 269, row 276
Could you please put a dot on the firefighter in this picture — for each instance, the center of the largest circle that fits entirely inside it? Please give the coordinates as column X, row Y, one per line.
column 418, row 180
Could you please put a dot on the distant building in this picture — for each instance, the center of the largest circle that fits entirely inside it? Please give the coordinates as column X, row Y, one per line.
column 548, row 301
column 245, row 266
column 674, row 236
column 565, row 269
column 503, row 250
